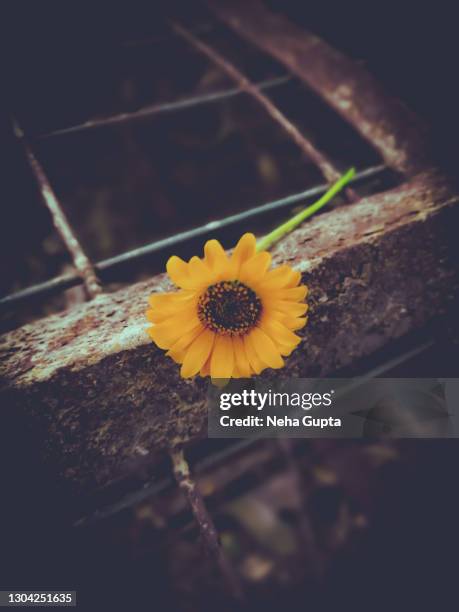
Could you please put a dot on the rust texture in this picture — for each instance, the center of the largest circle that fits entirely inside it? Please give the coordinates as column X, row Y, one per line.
column 207, row 528
column 101, row 396
column 325, row 165
column 347, row 87
column 80, row 260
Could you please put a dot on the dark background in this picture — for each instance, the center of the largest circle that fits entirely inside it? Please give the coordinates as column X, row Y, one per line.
column 409, row 555
column 411, row 47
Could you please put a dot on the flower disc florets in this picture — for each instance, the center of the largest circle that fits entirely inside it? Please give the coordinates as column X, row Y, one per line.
column 229, row 308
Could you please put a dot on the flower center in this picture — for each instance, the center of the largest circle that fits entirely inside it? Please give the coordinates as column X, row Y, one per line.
column 229, row 308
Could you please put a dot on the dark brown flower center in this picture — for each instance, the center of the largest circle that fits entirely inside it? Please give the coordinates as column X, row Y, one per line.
column 229, row 308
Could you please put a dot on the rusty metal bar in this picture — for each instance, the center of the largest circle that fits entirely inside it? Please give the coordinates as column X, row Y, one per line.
column 60, row 283
column 206, row 525
column 167, row 107
column 376, row 270
column 346, row 86
column 326, row 166
column 99, row 510
column 80, row 260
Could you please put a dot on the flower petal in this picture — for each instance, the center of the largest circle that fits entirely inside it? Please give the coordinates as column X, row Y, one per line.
column 294, row 323
column 296, row 294
column 222, row 359
column 160, row 315
column 197, row 354
column 177, row 356
column 170, row 299
column 255, row 362
column 278, row 332
column 215, row 256
column 255, row 268
column 266, row 349
column 185, row 340
column 236, row 373
column 243, row 251
column 165, row 305
column 166, row 334
column 179, row 272
column 200, row 273
column 240, row 357
column 205, row 370
column 293, row 309
column 279, row 278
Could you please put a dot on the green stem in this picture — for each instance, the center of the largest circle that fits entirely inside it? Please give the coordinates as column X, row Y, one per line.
column 267, row 241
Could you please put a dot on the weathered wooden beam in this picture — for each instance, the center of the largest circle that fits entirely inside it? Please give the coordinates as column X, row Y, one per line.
column 345, row 85
column 100, row 396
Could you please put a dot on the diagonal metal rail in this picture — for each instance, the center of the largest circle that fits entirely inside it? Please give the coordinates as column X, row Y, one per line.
column 63, row 282
column 83, row 265
column 166, row 107
column 208, row 531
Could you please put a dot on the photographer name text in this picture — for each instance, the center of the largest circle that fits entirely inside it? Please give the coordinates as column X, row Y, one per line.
column 275, row 421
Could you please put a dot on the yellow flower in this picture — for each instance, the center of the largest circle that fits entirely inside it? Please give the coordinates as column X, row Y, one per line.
column 232, row 316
